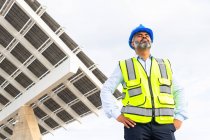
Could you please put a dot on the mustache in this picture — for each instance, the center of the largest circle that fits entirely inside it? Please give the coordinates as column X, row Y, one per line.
column 144, row 40
column 143, row 44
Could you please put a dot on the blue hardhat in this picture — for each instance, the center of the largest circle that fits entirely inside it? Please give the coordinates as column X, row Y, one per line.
column 140, row 28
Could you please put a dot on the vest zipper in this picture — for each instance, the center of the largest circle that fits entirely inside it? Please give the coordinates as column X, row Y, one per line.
column 150, row 88
column 152, row 97
column 151, row 92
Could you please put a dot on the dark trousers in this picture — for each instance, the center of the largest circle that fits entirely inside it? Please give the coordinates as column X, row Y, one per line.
column 150, row 131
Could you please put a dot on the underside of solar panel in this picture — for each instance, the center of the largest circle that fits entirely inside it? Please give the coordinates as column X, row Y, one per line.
column 41, row 66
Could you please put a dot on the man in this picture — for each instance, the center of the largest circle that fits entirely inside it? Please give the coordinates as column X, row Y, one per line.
column 153, row 105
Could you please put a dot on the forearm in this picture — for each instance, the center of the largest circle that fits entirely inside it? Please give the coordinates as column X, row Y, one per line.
column 109, row 104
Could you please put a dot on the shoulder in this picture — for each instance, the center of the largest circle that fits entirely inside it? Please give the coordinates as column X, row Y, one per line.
column 162, row 60
column 127, row 59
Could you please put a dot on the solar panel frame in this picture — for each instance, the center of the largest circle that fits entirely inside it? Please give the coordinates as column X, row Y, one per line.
column 61, row 100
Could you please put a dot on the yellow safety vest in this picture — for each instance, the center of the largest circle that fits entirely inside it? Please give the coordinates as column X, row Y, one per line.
column 146, row 97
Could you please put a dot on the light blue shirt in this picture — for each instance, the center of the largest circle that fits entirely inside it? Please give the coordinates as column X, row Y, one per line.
column 110, row 107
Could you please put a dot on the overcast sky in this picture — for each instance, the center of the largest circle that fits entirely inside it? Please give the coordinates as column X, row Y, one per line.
column 181, row 33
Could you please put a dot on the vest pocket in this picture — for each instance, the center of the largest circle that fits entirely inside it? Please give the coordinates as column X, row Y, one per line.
column 133, row 83
column 166, row 99
column 136, row 98
column 164, row 81
column 165, row 85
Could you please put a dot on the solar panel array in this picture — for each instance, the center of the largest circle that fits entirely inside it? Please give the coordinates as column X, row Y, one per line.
column 28, row 55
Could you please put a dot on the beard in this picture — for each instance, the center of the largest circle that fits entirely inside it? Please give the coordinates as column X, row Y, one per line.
column 143, row 44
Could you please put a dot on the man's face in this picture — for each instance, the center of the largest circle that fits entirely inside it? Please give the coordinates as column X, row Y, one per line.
column 142, row 44
column 141, row 40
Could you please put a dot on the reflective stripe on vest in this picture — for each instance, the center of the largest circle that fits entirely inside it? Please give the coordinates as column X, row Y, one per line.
column 165, row 89
column 130, row 69
column 164, row 112
column 137, row 111
column 162, row 68
column 147, row 111
column 134, row 91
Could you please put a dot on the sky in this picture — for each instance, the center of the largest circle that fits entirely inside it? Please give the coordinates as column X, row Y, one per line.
column 181, row 34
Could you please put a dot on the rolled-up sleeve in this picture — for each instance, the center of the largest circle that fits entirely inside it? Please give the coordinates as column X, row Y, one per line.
column 109, row 104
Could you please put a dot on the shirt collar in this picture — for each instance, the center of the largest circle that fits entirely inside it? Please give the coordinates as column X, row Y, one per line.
column 140, row 58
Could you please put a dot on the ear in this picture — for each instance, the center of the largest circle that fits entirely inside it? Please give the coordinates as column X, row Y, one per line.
column 132, row 44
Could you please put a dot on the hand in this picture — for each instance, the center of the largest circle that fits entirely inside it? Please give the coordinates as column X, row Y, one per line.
column 177, row 124
column 126, row 121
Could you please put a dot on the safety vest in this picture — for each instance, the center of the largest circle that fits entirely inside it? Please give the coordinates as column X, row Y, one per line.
column 147, row 97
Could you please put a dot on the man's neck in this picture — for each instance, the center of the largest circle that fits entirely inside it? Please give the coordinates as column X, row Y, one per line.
column 144, row 57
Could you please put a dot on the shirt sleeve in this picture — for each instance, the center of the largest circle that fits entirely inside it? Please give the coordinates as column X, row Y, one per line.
column 109, row 104
column 181, row 112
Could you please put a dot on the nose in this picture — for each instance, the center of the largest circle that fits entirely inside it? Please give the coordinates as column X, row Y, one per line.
column 144, row 37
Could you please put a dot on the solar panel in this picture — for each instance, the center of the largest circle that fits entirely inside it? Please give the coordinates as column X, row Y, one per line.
column 21, row 53
column 16, row 19
column 2, row 2
column 36, row 68
column 1, row 79
column 50, row 21
column 36, row 36
column 11, row 90
column 5, row 37
column 66, row 95
column 3, row 100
